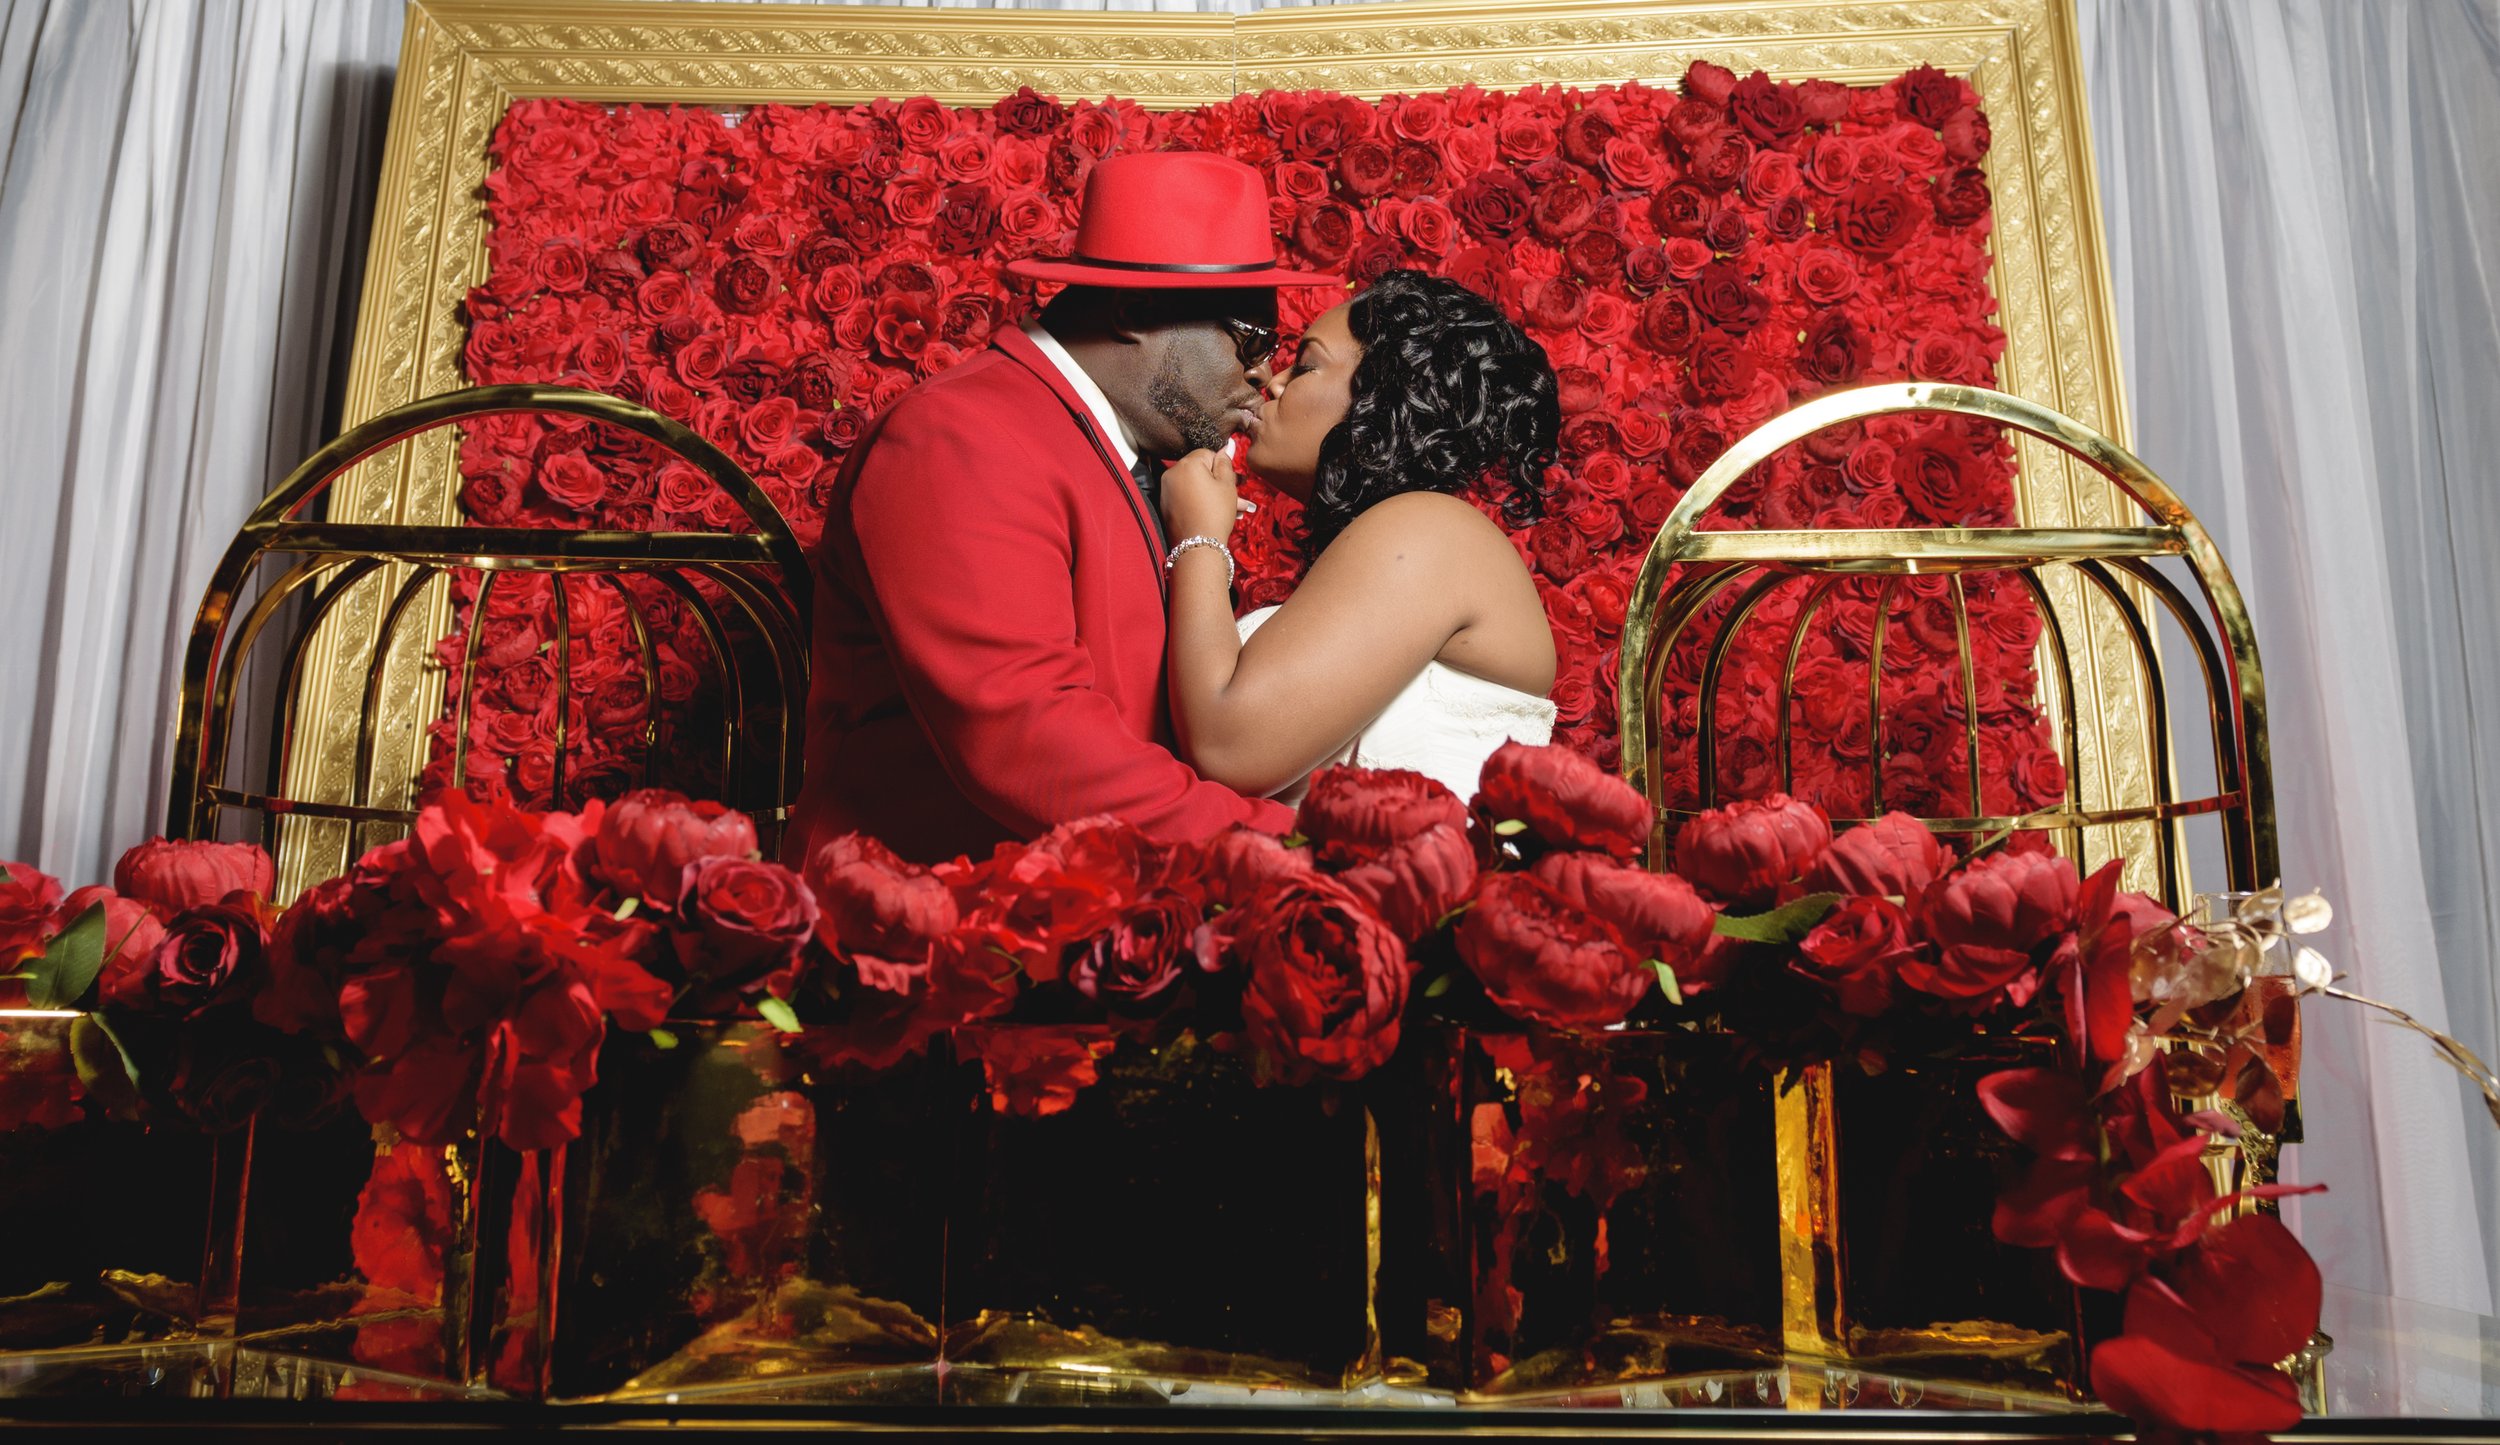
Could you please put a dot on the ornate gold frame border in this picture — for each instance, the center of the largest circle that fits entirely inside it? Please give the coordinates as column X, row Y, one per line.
column 464, row 62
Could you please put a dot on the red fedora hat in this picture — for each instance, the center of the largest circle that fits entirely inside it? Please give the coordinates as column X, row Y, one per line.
column 1167, row 219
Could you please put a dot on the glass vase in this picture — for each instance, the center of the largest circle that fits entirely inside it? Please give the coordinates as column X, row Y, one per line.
column 1616, row 1219
column 1893, row 1181
column 1177, row 1229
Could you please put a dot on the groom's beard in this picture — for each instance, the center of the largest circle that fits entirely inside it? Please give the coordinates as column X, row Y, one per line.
column 1200, row 429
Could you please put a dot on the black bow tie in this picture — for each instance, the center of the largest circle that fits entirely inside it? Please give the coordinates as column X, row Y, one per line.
column 1149, row 475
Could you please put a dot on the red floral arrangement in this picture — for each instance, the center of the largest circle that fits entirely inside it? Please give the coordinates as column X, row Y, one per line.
column 1881, row 942
column 1694, row 263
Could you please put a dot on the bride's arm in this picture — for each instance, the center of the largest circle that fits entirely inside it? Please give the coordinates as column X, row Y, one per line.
column 1379, row 604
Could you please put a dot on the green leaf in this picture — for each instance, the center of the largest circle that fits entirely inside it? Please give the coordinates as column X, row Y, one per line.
column 105, row 1068
column 777, row 1013
column 626, row 909
column 1440, row 985
column 1296, row 840
column 662, row 1038
column 1666, row 981
column 1784, row 924
column 69, row 965
column 1509, row 828
column 1455, row 914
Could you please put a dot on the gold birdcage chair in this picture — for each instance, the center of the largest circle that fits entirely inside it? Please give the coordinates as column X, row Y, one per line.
column 1688, row 569
column 758, row 579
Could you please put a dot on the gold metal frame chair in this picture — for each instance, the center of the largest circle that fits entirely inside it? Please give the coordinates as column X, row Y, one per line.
column 1686, row 568
column 761, row 575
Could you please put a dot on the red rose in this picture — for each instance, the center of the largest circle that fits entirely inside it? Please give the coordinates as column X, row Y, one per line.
column 1769, row 111
column 1875, row 218
column 1354, row 814
column 1725, row 295
column 1414, row 884
column 1746, row 852
column 28, row 901
column 739, row 920
column 1131, row 966
column 1857, row 951
column 1495, row 203
column 648, row 838
column 905, row 324
column 1929, row 96
column 1326, row 980
column 209, row 956
column 1668, row 324
column 1566, row 800
column 1987, row 922
column 1028, row 114
column 1544, row 960
column 170, row 876
column 1896, row 856
column 1835, row 350
column 1825, row 275
column 967, row 214
column 1658, row 914
column 1327, row 231
column 1962, row 197
column 1721, row 370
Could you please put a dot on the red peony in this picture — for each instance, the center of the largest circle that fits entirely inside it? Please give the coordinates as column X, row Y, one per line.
column 1351, row 814
column 1565, row 800
column 648, row 838
column 1657, row 914
column 874, row 910
column 1547, row 960
column 1034, row 1069
column 1896, row 856
column 1326, row 980
column 1150, row 948
column 1746, row 852
column 171, row 876
column 1988, row 922
column 1413, row 885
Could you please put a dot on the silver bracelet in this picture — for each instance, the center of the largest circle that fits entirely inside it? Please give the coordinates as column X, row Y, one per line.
column 1172, row 558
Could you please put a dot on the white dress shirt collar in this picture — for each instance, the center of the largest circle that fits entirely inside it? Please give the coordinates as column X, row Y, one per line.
column 1087, row 392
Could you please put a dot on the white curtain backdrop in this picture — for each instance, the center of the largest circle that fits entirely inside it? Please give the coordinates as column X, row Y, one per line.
column 2304, row 221
column 2305, row 235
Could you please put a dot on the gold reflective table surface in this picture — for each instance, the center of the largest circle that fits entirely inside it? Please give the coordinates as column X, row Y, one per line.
column 2398, row 1371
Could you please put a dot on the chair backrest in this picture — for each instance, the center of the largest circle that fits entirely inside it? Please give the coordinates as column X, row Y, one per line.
column 747, row 592
column 1688, row 568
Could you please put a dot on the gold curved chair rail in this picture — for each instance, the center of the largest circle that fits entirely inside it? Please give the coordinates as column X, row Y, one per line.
column 339, row 555
column 1716, row 559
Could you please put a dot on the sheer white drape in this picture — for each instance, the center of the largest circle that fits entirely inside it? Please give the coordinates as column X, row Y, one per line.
column 2303, row 217
column 182, row 217
column 2305, row 234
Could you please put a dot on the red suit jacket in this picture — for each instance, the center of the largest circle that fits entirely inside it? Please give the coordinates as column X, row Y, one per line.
column 989, row 630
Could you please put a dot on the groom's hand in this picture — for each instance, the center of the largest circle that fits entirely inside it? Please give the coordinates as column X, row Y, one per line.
column 1201, row 496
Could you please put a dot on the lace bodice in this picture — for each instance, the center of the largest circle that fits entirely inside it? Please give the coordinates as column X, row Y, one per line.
column 1443, row 725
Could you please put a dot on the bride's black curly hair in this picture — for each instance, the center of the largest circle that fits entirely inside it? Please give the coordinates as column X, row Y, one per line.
column 1449, row 394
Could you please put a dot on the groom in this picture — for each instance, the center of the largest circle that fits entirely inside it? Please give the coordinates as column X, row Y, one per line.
column 989, row 616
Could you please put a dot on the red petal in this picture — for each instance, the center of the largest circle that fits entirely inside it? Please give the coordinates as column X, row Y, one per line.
column 2042, row 1109
column 2153, row 1385
column 2254, row 1287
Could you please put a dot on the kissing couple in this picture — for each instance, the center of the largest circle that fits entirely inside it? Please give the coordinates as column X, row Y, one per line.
column 1023, row 618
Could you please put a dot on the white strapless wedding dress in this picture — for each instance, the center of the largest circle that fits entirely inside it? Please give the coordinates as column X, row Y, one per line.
column 1443, row 725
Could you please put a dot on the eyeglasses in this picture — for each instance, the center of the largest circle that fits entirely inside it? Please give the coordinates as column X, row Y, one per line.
column 1253, row 343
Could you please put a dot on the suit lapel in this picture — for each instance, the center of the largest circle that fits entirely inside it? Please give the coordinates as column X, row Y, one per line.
column 1020, row 348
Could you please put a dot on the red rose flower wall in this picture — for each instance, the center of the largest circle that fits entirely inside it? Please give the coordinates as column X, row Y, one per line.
column 1693, row 263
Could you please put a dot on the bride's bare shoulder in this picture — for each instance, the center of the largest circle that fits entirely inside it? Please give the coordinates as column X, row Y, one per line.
column 1439, row 525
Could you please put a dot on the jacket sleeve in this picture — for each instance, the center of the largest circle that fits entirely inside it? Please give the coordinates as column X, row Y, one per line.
column 965, row 552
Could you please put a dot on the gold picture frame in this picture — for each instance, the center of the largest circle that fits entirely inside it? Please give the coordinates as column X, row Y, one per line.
column 464, row 62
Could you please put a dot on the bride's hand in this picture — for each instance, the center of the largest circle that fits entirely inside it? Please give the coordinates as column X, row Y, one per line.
column 1201, row 496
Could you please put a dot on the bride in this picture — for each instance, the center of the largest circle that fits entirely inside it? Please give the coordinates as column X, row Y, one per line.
column 1417, row 640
